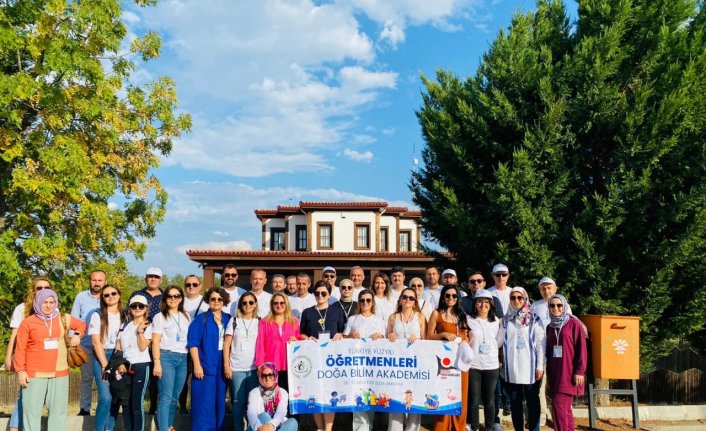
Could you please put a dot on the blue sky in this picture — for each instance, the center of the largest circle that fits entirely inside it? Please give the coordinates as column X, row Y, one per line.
column 297, row 100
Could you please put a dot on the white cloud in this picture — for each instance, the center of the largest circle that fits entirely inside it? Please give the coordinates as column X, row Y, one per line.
column 112, row 206
column 215, row 245
column 219, row 233
column 130, row 17
column 392, row 33
column 365, row 156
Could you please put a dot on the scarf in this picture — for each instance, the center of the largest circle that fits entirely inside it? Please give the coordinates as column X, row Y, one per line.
column 522, row 316
column 558, row 321
column 39, row 298
column 270, row 397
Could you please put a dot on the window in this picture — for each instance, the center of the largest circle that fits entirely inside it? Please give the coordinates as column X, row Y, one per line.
column 383, row 239
column 362, row 236
column 277, row 242
column 325, row 231
column 301, row 238
column 405, row 236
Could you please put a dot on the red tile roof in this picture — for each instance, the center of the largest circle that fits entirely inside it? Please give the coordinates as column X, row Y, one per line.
column 270, row 253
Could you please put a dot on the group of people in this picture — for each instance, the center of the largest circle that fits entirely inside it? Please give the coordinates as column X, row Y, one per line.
column 232, row 339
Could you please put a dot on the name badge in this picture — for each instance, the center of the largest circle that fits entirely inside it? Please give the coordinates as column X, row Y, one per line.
column 324, row 336
column 179, row 337
column 521, row 343
column 484, row 349
column 557, row 353
column 51, row 344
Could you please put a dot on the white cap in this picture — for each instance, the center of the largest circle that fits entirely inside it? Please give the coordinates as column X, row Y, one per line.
column 328, row 269
column 448, row 271
column 546, row 280
column 153, row 270
column 138, row 299
column 500, row 267
column 483, row 294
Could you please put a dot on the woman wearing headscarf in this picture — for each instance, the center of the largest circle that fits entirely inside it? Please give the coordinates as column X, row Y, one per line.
column 40, row 362
column 566, row 361
column 267, row 403
column 523, row 357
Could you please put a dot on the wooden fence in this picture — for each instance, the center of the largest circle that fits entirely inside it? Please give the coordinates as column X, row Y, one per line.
column 9, row 388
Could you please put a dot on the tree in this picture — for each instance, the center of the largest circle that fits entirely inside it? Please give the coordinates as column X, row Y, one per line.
column 578, row 151
column 78, row 139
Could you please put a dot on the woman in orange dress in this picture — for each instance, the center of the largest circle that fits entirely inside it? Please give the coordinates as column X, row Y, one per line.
column 448, row 323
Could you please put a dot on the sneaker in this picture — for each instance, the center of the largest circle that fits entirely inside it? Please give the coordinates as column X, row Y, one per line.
column 497, row 427
column 506, row 409
column 542, row 421
column 84, row 413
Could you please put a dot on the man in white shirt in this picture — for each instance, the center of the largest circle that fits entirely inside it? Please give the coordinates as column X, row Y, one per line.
column 501, row 274
column 193, row 299
column 304, row 299
column 229, row 278
column 357, row 277
column 258, row 279
column 433, row 289
column 397, row 278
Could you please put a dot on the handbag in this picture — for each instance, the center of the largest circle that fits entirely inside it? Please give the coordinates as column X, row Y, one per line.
column 75, row 356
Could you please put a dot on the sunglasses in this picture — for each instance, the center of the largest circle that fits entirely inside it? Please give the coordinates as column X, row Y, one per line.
column 365, row 300
column 450, row 296
column 175, row 296
column 278, row 303
column 321, row 294
column 559, row 306
column 108, row 295
column 248, row 302
column 267, row 376
column 138, row 306
column 230, row 275
column 517, row 298
column 215, row 299
column 416, row 286
column 38, row 288
column 408, row 298
column 329, row 275
column 476, row 280
column 346, row 287
column 188, row 285
column 501, row 274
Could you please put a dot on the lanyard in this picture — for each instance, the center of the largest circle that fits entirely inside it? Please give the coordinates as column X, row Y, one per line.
column 247, row 328
column 49, row 326
column 176, row 320
column 481, row 323
column 557, row 332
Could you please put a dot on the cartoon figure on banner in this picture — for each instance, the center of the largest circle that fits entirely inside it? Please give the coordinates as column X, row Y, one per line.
column 359, row 401
column 334, row 399
column 383, row 400
column 408, row 399
column 311, row 402
column 432, row 402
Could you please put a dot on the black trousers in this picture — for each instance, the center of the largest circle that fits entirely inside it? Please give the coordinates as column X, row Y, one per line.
column 482, row 387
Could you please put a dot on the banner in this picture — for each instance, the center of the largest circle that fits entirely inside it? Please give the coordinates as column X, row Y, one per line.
column 352, row 375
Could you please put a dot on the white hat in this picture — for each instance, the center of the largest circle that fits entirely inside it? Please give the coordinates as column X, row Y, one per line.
column 500, row 267
column 328, row 269
column 545, row 280
column 138, row 299
column 483, row 294
column 153, row 270
column 448, row 271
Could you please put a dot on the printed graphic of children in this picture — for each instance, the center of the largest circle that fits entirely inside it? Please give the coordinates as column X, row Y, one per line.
column 408, row 399
column 334, row 398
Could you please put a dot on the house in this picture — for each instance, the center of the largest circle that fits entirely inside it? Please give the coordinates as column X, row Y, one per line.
column 308, row 236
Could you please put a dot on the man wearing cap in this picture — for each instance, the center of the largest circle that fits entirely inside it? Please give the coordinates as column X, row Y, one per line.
column 547, row 288
column 449, row 278
column 228, row 279
column 397, row 278
column 258, row 279
column 328, row 274
column 277, row 284
column 501, row 274
column 357, row 277
column 476, row 283
column 433, row 289
column 85, row 304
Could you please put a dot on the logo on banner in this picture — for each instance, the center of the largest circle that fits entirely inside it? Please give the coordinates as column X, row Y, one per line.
column 301, row 366
column 445, row 366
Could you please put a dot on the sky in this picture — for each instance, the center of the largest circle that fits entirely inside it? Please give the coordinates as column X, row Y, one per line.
column 296, row 100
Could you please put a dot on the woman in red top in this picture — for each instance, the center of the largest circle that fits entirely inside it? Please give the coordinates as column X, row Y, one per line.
column 274, row 332
column 40, row 362
column 566, row 361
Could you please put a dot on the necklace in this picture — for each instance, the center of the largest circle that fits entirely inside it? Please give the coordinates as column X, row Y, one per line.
column 322, row 319
column 404, row 324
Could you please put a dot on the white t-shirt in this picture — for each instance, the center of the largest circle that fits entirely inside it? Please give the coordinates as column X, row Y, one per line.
column 235, row 294
column 18, row 315
column 432, row 296
column 111, row 337
column 484, row 343
column 242, row 348
column 356, row 292
column 298, row 304
column 366, row 326
column 396, row 293
column 128, row 344
column 263, row 304
column 191, row 304
column 384, row 307
column 503, row 296
column 173, row 331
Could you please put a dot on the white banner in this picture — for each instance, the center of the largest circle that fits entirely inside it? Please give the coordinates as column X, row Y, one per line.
column 365, row 375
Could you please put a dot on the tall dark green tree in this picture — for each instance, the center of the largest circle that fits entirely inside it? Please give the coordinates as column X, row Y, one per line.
column 578, row 150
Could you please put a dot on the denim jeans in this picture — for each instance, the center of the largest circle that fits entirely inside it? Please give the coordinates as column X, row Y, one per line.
column 290, row 424
column 134, row 417
column 16, row 417
column 104, row 420
column 240, row 386
column 169, row 387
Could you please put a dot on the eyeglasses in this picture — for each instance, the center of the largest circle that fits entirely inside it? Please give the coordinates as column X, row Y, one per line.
column 329, row 275
column 408, row 298
column 476, row 280
column 450, row 296
column 321, row 294
column 365, row 300
column 215, row 299
column 108, row 295
column 248, row 302
column 267, row 376
column 278, row 304
column 501, row 274
column 175, row 296
column 230, row 275
column 346, row 287
column 188, row 285
column 559, row 306
column 138, row 306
